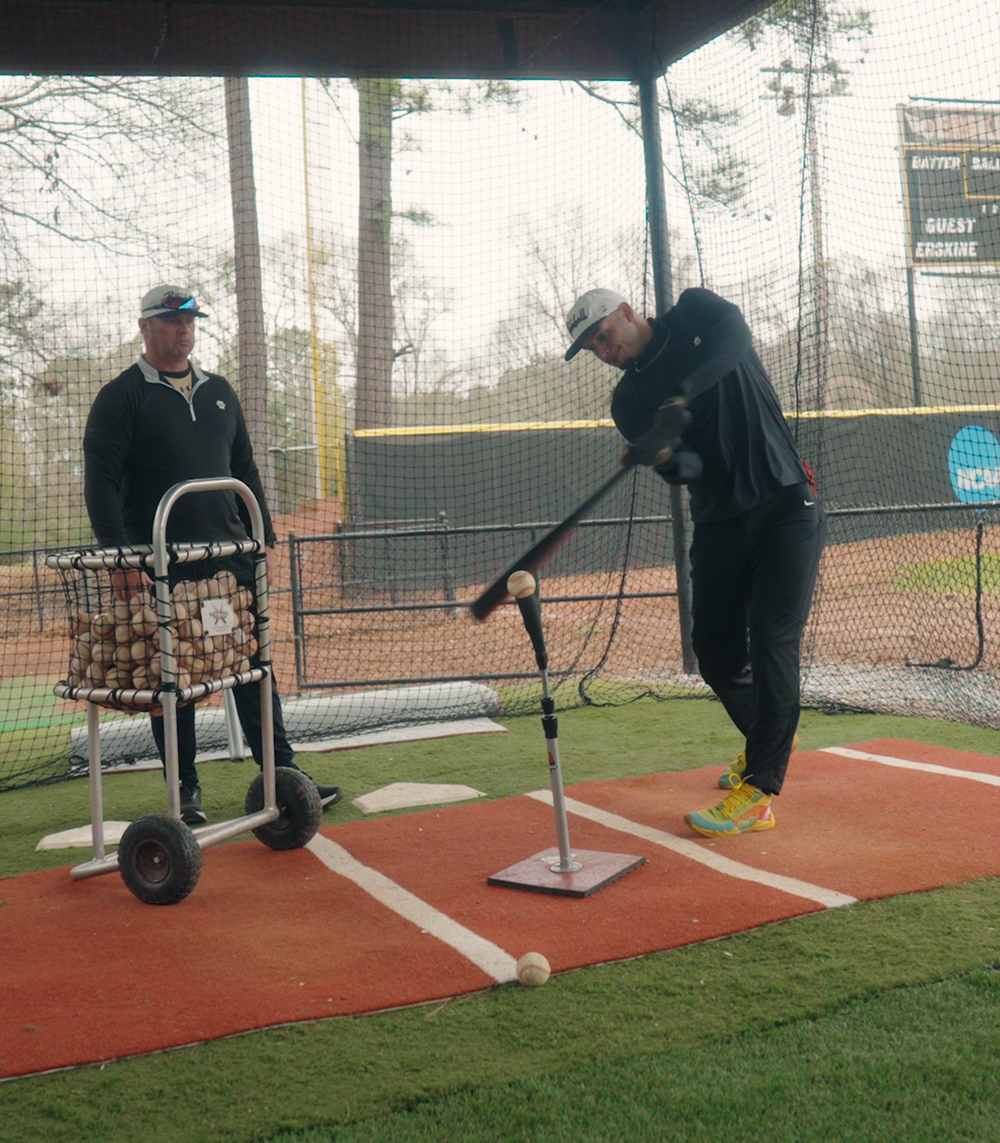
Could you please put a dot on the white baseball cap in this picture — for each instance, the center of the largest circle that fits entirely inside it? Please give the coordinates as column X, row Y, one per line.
column 588, row 311
column 162, row 300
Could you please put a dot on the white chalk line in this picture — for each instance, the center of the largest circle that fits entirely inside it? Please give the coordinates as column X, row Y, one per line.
column 829, row 898
column 493, row 960
column 905, row 764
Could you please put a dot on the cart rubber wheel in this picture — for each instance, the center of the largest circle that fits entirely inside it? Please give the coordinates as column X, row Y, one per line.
column 160, row 859
column 299, row 807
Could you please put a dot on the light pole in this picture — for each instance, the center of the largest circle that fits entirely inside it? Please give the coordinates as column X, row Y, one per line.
column 786, row 94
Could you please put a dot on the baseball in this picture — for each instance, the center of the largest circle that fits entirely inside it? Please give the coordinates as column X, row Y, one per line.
column 144, row 620
column 227, row 582
column 85, row 646
column 101, row 626
column 532, row 969
column 521, row 584
column 103, row 653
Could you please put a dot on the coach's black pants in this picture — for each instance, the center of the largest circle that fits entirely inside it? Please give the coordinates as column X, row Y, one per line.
column 248, row 706
column 248, row 697
column 753, row 578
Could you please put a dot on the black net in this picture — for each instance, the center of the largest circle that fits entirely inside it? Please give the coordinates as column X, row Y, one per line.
column 387, row 264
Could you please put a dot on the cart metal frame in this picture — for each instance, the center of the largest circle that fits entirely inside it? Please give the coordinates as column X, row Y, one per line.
column 167, row 695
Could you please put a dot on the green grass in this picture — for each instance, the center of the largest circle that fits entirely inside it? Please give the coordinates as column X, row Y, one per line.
column 913, row 1064
column 951, row 577
column 792, row 1030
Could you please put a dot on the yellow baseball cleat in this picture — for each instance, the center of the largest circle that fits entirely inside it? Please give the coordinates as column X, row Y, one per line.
column 734, row 775
column 745, row 810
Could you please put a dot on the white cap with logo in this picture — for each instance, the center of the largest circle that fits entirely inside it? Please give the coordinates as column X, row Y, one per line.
column 589, row 310
column 162, row 300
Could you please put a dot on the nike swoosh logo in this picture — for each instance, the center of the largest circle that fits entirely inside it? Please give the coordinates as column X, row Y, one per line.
column 808, row 503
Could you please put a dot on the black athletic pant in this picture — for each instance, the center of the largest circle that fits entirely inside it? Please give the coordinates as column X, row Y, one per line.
column 247, row 696
column 753, row 578
column 248, row 706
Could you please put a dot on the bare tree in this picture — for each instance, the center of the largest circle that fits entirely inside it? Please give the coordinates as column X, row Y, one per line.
column 813, row 37
column 24, row 334
column 382, row 102
column 82, row 162
column 79, row 156
column 375, row 324
column 718, row 176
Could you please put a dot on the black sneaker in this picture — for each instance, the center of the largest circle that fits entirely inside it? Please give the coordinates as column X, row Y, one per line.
column 328, row 795
column 191, row 811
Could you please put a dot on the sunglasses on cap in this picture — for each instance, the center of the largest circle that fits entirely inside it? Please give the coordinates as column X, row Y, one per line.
column 177, row 302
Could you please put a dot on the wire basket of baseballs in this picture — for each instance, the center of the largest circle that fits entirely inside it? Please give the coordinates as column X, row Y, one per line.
column 116, row 648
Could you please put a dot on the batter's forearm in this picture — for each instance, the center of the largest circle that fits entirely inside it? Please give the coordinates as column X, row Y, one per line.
column 723, row 346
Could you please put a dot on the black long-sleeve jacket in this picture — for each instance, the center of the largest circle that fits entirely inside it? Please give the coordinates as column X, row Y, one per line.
column 143, row 436
column 701, row 349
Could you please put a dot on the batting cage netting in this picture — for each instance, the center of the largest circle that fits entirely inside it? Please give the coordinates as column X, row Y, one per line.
column 387, row 264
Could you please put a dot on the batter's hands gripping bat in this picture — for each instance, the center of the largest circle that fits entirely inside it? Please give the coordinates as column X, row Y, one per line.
column 655, row 448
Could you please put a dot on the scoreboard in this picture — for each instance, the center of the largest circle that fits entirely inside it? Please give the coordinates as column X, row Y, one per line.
column 951, row 184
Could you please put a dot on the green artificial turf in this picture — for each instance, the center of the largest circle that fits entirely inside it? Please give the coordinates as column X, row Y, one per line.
column 697, row 1003
column 890, row 1004
column 916, row 1063
column 595, row 743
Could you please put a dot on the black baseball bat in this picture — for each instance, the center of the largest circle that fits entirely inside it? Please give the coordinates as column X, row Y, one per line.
column 533, row 559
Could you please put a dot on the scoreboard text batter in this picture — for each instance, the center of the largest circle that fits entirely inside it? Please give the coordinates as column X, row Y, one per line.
column 951, row 182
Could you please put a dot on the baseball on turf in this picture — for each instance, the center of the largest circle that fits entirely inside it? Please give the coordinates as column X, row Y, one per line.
column 520, row 584
column 533, row 970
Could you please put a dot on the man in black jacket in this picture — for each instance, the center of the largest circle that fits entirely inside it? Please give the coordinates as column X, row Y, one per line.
column 162, row 421
column 696, row 404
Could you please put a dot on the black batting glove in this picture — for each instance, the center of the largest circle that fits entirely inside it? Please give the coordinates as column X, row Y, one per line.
column 656, row 447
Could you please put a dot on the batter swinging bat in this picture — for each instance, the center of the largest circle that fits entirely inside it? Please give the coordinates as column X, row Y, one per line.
column 533, row 559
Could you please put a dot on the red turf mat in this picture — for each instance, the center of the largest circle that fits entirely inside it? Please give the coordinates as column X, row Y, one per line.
column 266, row 938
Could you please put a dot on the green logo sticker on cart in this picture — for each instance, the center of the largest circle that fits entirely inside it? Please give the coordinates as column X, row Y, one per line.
column 218, row 616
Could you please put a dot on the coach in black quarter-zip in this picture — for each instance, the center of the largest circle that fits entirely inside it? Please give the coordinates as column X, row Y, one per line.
column 696, row 404
column 162, row 421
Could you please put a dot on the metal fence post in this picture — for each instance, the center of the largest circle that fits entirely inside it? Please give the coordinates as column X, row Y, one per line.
column 38, row 591
column 297, row 605
column 449, row 579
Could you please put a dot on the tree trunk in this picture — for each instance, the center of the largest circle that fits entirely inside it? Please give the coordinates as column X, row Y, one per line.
column 249, row 291
column 375, row 322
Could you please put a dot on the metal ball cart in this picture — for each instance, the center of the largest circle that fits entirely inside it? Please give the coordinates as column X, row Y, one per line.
column 159, row 856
